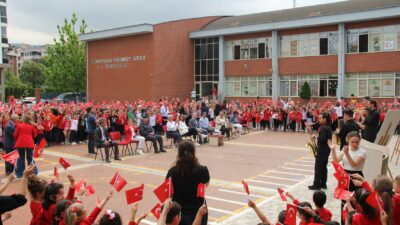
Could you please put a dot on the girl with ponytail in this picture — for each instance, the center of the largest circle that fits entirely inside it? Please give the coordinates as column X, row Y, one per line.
column 186, row 174
column 36, row 187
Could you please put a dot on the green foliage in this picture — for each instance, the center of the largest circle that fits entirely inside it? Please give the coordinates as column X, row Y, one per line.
column 32, row 73
column 14, row 86
column 66, row 60
column 305, row 92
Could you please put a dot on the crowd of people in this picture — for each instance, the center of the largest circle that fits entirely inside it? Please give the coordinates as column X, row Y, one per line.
column 148, row 121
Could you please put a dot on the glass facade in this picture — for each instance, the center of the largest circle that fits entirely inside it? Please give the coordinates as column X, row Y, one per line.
column 259, row 48
column 321, row 85
column 372, row 84
column 248, row 86
column 206, row 65
column 309, row 44
column 373, row 39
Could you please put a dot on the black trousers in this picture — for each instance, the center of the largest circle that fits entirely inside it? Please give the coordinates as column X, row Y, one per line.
column 9, row 166
column 226, row 130
column 158, row 129
column 154, row 138
column 73, row 136
column 54, row 135
column 107, row 146
column 175, row 135
column 192, row 132
column 82, row 135
column 320, row 168
column 91, row 143
column 47, row 136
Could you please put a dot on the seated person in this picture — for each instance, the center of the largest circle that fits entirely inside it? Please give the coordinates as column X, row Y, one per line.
column 172, row 130
column 235, row 122
column 147, row 132
column 130, row 133
column 194, row 127
column 103, row 140
column 205, row 127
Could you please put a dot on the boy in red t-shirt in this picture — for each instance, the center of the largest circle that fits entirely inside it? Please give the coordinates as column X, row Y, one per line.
column 319, row 199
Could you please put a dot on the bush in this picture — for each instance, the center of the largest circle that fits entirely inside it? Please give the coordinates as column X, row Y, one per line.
column 305, row 92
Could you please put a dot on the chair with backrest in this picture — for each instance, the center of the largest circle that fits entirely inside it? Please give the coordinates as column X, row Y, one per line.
column 116, row 137
column 171, row 139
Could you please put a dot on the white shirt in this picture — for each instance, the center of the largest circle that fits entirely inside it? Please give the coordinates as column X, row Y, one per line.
column 74, row 125
column 183, row 128
column 152, row 120
column 354, row 155
column 339, row 111
column 172, row 126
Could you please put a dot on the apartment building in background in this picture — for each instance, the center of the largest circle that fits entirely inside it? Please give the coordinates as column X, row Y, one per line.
column 4, row 46
column 20, row 53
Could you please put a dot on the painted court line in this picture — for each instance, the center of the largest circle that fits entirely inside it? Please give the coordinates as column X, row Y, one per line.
column 240, row 193
column 296, row 164
column 290, row 168
column 266, row 146
column 305, row 161
column 225, row 200
column 148, row 222
column 219, row 210
column 280, row 178
column 288, row 173
column 266, row 182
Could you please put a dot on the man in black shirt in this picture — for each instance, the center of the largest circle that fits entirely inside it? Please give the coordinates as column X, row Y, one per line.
column 370, row 126
column 348, row 126
column 323, row 151
column 147, row 132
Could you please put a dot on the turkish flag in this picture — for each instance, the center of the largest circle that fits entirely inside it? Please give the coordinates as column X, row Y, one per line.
column 165, row 190
column 112, row 181
column 281, row 193
column 89, row 190
column 340, row 175
column 156, row 211
column 375, row 201
column 119, row 183
column 338, row 167
column 344, row 183
column 134, row 195
column 291, row 213
column 80, row 185
column 64, row 163
column 55, row 172
column 342, row 194
column 11, row 157
column 201, row 192
column 246, row 187
column 38, row 150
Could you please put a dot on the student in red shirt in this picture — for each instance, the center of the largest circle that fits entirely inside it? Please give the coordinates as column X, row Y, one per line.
column 307, row 214
column 47, row 126
column 36, row 187
column 396, row 201
column 53, row 193
column 76, row 214
column 319, row 199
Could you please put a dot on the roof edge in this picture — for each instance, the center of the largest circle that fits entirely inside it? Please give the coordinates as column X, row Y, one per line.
column 118, row 32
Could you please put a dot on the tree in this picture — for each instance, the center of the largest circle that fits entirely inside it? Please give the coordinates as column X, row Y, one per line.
column 32, row 73
column 14, row 86
column 305, row 92
column 66, row 60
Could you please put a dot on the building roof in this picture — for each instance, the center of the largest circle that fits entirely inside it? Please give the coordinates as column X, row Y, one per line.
column 330, row 9
column 117, row 32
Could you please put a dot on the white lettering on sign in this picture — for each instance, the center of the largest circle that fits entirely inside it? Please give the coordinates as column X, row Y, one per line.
column 120, row 62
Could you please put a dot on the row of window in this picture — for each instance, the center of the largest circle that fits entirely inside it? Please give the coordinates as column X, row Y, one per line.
column 373, row 84
column 374, row 39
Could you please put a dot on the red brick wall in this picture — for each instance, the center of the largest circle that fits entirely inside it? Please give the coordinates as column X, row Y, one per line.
column 373, row 62
column 174, row 58
column 375, row 23
column 121, row 83
column 248, row 67
column 308, row 65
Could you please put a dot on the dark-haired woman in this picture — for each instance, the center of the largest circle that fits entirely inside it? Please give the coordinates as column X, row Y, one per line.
column 186, row 174
column 323, row 151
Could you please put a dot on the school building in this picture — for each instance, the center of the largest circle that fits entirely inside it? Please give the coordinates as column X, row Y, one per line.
column 341, row 49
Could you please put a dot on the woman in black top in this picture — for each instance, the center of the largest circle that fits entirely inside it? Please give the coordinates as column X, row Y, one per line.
column 186, row 174
column 323, row 151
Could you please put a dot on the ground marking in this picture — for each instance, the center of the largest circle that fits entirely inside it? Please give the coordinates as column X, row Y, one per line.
column 281, row 178
column 288, row 173
column 296, row 164
column 267, row 146
column 290, row 168
column 241, row 193
column 225, row 200
column 266, row 182
column 219, row 210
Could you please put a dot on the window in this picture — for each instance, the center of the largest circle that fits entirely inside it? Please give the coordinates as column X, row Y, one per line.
column 244, row 51
column 252, row 86
column 323, row 88
column 303, row 45
column 363, row 43
column 375, row 42
column 333, row 43
column 237, row 52
column 253, row 51
column 332, row 87
column 284, row 88
column 372, row 84
column 397, row 87
column 261, row 50
column 352, row 43
column 293, row 48
column 323, row 46
column 389, row 41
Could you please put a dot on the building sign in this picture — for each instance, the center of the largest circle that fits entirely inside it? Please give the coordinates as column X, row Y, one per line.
column 116, row 63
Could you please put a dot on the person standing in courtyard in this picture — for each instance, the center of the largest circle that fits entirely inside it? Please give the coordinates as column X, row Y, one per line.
column 186, row 174
column 323, row 151
column 91, row 127
column 9, row 141
column 370, row 124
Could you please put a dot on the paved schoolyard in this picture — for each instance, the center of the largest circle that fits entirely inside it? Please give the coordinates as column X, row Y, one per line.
column 267, row 160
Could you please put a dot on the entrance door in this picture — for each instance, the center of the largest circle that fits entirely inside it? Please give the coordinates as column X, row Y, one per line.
column 206, row 88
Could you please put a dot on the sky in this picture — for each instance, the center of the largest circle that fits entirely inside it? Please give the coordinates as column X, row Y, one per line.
column 35, row 21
